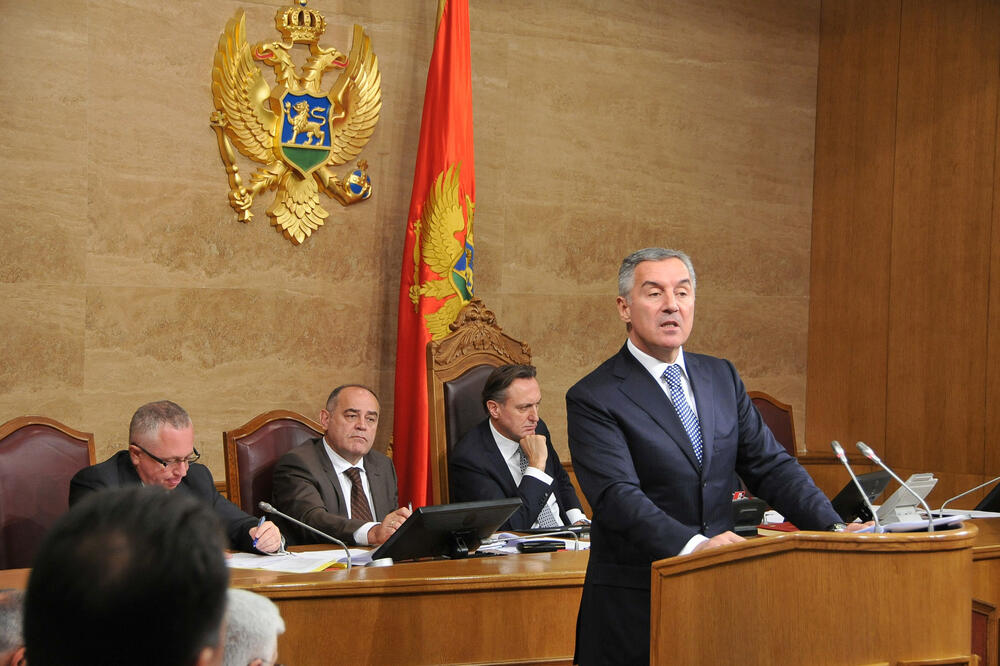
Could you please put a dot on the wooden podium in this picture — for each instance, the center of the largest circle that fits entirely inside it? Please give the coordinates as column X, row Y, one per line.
column 818, row 598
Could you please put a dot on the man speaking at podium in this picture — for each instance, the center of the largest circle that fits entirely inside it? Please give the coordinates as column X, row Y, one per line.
column 656, row 435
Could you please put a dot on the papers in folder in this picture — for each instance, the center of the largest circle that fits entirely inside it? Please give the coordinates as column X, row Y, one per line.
column 304, row 562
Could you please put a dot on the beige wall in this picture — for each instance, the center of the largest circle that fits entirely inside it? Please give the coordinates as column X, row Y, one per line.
column 600, row 128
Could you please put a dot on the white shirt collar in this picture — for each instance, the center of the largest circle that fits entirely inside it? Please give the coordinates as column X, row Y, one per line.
column 655, row 366
column 507, row 446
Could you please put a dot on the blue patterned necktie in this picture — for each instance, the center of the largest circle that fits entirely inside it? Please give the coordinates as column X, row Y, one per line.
column 545, row 518
column 688, row 418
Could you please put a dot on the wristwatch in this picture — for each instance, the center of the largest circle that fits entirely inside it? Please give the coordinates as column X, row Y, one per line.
column 836, row 527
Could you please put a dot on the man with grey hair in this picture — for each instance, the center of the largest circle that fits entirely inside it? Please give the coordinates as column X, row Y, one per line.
column 161, row 452
column 656, row 434
column 11, row 632
column 337, row 483
column 253, row 624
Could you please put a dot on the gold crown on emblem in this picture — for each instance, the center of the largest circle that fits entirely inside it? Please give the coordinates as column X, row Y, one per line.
column 300, row 25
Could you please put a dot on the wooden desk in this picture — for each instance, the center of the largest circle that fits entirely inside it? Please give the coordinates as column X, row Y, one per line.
column 513, row 609
column 467, row 611
column 986, row 592
column 818, row 598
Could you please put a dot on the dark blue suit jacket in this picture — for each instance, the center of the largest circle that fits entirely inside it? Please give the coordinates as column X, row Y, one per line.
column 477, row 471
column 635, row 464
column 119, row 472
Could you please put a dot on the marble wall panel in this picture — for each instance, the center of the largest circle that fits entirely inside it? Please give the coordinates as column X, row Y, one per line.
column 42, row 193
column 230, row 354
column 42, row 354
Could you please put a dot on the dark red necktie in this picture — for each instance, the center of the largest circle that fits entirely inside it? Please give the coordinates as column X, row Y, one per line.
column 359, row 503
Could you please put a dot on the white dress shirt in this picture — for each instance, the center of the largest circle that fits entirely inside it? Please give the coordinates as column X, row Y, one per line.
column 339, row 467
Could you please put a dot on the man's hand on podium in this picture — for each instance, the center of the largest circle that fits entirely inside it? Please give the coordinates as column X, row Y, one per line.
column 718, row 540
column 855, row 527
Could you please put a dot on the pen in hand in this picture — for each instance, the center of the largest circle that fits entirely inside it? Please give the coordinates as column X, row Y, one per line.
column 259, row 525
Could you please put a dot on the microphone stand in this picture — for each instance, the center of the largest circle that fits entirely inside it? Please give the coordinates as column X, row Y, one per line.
column 270, row 509
column 981, row 485
column 869, row 453
column 842, row 457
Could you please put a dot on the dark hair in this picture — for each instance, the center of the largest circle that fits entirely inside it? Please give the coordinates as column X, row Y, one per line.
column 336, row 392
column 153, row 415
column 500, row 380
column 127, row 576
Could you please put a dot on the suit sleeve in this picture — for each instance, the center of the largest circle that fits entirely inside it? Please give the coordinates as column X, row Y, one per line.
column 385, row 486
column 774, row 475
column 604, row 466
column 296, row 492
column 235, row 521
column 85, row 482
column 474, row 479
column 565, row 492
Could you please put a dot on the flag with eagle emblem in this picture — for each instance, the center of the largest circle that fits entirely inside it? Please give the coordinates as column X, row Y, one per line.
column 436, row 278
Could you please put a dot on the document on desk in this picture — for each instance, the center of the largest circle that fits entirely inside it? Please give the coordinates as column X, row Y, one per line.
column 303, row 562
column 505, row 542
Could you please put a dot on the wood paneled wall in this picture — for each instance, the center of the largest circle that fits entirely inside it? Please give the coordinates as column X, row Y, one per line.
column 905, row 260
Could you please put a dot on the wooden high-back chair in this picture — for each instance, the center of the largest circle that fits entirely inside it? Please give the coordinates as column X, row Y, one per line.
column 778, row 417
column 38, row 457
column 457, row 367
column 252, row 450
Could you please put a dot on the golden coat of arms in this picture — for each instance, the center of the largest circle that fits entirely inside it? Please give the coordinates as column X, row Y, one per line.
column 297, row 130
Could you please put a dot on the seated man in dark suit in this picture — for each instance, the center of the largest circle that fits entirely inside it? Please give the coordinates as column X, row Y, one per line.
column 161, row 453
column 510, row 454
column 337, row 483
column 129, row 576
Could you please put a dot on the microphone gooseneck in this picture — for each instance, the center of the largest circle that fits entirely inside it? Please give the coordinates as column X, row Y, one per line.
column 981, row 485
column 842, row 457
column 267, row 508
column 869, row 453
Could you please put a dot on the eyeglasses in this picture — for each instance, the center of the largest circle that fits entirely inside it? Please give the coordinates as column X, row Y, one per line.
column 193, row 458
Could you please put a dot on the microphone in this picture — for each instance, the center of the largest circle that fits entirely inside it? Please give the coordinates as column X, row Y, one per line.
column 270, row 509
column 867, row 452
column 842, row 457
column 981, row 485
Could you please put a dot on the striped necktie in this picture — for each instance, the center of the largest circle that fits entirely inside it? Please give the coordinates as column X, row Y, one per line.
column 545, row 518
column 359, row 503
column 672, row 375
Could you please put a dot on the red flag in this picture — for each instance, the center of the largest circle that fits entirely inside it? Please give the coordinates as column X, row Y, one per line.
column 436, row 279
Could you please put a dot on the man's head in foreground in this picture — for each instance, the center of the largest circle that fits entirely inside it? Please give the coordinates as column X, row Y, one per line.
column 133, row 575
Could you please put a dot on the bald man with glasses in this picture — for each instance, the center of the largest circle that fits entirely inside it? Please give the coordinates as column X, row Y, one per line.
column 161, row 452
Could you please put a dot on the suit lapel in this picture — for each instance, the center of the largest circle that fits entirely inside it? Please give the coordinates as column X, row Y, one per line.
column 701, row 386
column 640, row 387
column 377, row 486
column 328, row 472
column 494, row 460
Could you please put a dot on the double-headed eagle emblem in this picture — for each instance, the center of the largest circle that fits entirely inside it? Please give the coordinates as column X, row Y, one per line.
column 296, row 130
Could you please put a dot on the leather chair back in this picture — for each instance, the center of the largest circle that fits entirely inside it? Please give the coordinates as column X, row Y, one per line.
column 457, row 367
column 252, row 450
column 778, row 417
column 38, row 457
